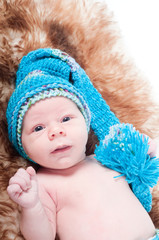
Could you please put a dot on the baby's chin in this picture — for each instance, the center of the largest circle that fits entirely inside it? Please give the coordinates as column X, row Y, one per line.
column 63, row 165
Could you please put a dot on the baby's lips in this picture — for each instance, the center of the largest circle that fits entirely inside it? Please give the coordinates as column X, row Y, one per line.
column 61, row 149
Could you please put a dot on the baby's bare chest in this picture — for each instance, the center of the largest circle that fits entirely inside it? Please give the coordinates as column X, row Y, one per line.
column 88, row 186
column 91, row 204
column 84, row 200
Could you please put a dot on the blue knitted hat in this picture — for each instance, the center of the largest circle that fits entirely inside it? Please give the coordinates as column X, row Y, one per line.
column 43, row 73
column 47, row 72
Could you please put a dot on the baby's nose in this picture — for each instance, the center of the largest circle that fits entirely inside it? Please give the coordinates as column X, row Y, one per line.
column 56, row 132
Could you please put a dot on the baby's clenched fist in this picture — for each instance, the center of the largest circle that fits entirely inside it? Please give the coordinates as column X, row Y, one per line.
column 23, row 188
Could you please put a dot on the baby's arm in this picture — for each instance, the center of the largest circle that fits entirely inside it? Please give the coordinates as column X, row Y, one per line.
column 23, row 189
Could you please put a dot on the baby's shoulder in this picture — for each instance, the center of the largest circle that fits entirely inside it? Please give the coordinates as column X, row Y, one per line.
column 47, row 185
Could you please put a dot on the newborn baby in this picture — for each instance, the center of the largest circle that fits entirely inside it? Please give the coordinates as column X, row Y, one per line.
column 72, row 195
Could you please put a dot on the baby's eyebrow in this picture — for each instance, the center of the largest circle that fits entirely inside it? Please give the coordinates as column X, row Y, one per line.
column 33, row 121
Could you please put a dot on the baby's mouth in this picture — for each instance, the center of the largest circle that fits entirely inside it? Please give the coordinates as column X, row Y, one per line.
column 61, row 149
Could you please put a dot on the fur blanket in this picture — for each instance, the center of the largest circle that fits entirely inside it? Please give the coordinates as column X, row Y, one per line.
column 85, row 30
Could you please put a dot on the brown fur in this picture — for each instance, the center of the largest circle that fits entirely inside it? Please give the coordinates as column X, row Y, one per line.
column 85, row 30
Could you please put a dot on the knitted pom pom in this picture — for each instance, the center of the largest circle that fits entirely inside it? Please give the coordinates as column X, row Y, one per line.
column 125, row 151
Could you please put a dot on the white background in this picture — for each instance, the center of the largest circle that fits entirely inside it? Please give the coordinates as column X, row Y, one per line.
column 138, row 21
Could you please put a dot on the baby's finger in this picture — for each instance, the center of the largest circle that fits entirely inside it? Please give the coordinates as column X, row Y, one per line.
column 31, row 171
column 22, row 173
column 19, row 181
column 33, row 177
column 14, row 191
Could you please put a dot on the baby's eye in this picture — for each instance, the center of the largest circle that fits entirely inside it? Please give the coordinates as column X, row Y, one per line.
column 38, row 128
column 65, row 119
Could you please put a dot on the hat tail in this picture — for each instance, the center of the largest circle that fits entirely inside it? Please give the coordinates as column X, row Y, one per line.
column 102, row 118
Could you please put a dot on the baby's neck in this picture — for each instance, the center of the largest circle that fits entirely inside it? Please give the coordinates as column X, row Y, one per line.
column 70, row 170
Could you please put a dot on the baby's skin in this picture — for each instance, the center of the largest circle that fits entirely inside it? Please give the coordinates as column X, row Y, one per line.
column 71, row 195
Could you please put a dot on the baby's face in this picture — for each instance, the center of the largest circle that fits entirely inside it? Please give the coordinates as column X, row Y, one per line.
column 54, row 133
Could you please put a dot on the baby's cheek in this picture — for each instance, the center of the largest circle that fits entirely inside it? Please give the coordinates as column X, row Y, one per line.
column 30, row 148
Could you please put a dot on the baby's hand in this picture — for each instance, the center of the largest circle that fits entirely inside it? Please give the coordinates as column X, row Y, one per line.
column 23, row 188
column 152, row 147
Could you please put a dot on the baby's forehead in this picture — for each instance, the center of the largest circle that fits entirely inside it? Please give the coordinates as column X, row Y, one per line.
column 51, row 105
